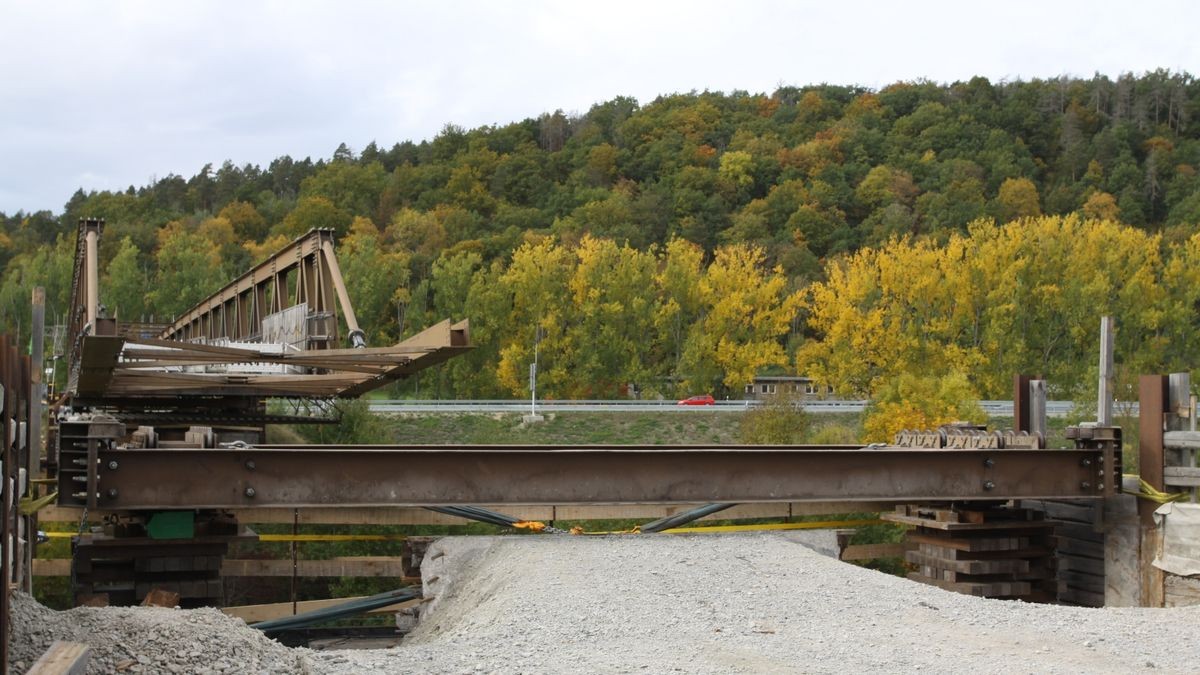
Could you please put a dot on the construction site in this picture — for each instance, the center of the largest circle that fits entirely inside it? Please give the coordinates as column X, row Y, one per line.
column 1016, row 556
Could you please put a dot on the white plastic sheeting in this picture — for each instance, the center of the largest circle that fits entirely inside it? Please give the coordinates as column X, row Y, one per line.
column 1181, row 538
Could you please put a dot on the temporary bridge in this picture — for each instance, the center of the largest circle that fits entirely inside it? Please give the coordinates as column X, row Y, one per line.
column 163, row 429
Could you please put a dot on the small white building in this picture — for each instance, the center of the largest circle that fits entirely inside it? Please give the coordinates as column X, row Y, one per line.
column 765, row 386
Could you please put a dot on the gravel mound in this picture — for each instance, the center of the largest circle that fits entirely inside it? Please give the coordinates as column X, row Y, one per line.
column 749, row 603
column 149, row 640
column 752, row 603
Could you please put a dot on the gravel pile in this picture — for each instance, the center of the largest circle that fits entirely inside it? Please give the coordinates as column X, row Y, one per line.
column 752, row 603
column 654, row 604
column 149, row 640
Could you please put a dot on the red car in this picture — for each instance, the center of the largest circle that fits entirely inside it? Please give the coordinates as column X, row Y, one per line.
column 706, row 399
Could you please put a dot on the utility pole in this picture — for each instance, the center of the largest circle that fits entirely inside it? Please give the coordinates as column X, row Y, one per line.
column 533, row 416
column 1104, row 402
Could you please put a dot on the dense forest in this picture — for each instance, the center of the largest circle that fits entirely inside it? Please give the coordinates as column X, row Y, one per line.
column 973, row 229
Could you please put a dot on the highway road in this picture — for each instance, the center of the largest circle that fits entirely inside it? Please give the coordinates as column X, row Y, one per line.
column 993, row 408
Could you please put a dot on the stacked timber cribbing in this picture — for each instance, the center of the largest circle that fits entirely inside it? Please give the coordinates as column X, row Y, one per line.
column 122, row 571
column 992, row 552
column 1080, row 549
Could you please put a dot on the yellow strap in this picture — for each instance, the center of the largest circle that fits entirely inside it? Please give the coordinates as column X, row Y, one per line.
column 1149, row 492
column 332, row 537
column 31, row 506
column 531, row 525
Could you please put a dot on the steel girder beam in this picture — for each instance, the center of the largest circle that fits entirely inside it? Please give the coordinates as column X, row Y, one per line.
column 304, row 271
column 301, row 476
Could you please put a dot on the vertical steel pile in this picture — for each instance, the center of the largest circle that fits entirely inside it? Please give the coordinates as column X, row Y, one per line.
column 17, row 408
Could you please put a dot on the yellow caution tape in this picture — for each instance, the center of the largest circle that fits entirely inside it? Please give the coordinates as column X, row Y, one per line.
column 332, row 537
column 714, row 529
column 531, row 525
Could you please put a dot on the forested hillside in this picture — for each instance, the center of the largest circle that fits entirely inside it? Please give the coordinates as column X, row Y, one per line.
column 687, row 243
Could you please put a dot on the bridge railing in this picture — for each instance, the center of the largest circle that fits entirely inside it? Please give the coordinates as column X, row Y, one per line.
column 993, row 408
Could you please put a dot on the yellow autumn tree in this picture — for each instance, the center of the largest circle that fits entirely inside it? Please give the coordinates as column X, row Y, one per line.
column 1048, row 281
column 918, row 402
column 537, row 282
column 1024, row 297
column 613, row 297
column 678, row 281
column 910, row 306
column 747, row 311
column 1018, row 198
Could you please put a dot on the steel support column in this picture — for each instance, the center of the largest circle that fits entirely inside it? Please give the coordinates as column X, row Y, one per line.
column 298, row 476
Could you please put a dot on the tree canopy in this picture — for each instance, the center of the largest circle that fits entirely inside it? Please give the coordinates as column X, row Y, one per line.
column 692, row 241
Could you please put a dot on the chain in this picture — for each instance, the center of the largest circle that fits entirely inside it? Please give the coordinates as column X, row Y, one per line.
column 83, row 520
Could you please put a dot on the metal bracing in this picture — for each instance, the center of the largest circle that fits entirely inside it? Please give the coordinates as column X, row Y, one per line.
column 299, row 476
column 115, row 367
column 85, row 292
column 273, row 332
column 305, row 272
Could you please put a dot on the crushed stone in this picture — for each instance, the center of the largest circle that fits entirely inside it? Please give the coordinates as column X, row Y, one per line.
column 739, row 603
column 149, row 640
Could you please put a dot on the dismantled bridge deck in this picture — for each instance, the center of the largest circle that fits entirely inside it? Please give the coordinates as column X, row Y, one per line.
column 296, row 476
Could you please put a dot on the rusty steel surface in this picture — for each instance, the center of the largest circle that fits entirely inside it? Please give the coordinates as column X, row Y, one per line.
column 297, row 273
column 297, row 476
column 112, row 367
column 17, row 408
column 1021, row 411
column 1152, row 409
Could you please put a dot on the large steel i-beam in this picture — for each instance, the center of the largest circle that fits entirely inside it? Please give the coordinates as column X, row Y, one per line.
column 302, row 476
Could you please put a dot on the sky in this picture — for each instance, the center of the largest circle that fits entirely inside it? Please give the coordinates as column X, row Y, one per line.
column 104, row 95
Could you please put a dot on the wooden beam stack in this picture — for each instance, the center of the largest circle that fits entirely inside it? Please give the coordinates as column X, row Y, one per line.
column 991, row 552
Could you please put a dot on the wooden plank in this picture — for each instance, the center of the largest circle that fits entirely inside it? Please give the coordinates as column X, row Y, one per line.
column 1181, row 591
column 337, row 567
column 51, row 568
column 988, row 589
column 278, row 610
column 62, row 658
column 159, row 597
column 366, row 566
column 1181, row 476
column 1006, row 526
column 948, row 553
column 872, row 551
column 1081, row 564
column 1080, row 532
column 977, row 544
column 1091, row 583
column 1004, row 566
column 1153, row 579
column 1086, row 549
column 1067, row 511
column 1081, row 597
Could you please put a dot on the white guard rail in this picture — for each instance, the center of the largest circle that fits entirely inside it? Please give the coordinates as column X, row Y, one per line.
column 993, row 408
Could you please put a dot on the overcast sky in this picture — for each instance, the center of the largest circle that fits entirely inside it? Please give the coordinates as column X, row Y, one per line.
column 102, row 95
